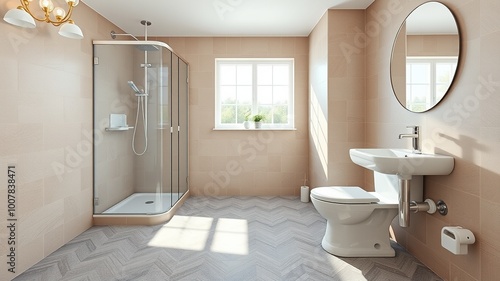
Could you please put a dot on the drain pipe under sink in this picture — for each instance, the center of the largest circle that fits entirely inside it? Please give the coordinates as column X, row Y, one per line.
column 405, row 205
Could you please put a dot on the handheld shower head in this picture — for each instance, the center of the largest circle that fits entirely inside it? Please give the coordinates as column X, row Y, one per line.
column 134, row 88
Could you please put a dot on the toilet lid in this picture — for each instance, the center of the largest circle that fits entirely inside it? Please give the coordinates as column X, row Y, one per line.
column 343, row 194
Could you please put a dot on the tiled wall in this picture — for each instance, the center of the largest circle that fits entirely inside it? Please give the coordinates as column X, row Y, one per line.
column 465, row 125
column 336, row 98
column 318, row 103
column 243, row 162
column 433, row 45
column 46, row 115
column 46, row 131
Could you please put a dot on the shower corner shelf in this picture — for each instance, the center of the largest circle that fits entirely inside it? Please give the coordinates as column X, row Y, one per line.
column 116, row 129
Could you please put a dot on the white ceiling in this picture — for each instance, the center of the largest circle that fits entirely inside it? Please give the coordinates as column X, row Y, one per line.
column 431, row 18
column 219, row 17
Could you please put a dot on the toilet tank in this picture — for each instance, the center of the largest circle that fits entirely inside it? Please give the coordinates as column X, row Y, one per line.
column 387, row 186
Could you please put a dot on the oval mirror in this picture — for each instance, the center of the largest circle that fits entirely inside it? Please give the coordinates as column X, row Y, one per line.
column 425, row 57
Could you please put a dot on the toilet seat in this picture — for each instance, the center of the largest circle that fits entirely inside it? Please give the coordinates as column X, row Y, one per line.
column 343, row 195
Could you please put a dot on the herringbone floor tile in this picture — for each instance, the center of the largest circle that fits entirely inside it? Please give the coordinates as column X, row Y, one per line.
column 220, row 238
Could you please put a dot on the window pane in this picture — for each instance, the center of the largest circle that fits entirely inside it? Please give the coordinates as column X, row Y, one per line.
column 244, row 94
column 228, row 114
column 420, row 93
column 244, row 75
column 280, row 75
column 244, row 111
column 265, row 95
column 227, row 75
column 420, row 73
column 444, row 73
column 280, row 114
column 228, row 94
column 440, row 91
column 265, row 110
column 247, row 87
column 280, row 95
column 264, row 74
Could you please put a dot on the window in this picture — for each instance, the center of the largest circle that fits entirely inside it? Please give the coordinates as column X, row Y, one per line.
column 246, row 87
column 427, row 80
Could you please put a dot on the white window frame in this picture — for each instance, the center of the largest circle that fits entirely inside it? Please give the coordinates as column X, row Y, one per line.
column 432, row 62
column 255, row 62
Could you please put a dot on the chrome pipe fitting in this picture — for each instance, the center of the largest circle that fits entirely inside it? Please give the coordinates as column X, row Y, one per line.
column 404, row 202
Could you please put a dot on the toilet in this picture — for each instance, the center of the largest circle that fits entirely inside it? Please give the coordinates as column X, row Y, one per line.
column 358, row 221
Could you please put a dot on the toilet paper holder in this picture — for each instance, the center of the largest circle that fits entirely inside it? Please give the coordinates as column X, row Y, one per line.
column 456, row 239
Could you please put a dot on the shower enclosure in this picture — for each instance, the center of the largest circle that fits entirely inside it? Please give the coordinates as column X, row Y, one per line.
column 141, row 133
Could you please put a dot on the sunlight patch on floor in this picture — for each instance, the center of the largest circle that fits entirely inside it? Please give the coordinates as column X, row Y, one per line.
column 183, row 232
column 223, row 235
column 230, row 237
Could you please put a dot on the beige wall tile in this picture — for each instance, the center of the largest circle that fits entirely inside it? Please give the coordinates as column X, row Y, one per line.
column 29, row 197
column 490, row 225
column 53, row 239
column 47, row 102
column 464, row 125
column 32, row 252
column 459, row 275
column 436, row 262
column 345, row 105
column 488, row 22
column 57, row 89
column 489, row 263
column 255, row 153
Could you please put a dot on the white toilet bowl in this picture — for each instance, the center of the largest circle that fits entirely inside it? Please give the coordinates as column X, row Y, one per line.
column 357, row 221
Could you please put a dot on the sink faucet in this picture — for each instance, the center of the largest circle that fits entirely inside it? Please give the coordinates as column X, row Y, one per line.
column 414, row 136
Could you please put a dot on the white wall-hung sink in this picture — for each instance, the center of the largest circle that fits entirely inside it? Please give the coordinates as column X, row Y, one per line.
column 402, row 162
column 405, row 164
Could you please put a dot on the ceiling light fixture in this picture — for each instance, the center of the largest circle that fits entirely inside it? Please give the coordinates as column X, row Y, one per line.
column 23, row 17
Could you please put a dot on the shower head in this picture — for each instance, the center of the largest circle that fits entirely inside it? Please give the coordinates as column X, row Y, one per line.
column 134, row 88
column 146, row 47
column 142, row 47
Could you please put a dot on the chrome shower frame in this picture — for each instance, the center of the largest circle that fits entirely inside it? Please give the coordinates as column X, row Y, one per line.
column 142, row 95
column 143, row 219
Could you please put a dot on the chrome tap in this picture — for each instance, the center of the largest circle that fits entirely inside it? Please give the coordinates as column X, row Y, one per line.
column 414, row 136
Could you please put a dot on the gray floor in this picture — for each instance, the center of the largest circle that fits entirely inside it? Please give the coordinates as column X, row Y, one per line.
column 223, row 238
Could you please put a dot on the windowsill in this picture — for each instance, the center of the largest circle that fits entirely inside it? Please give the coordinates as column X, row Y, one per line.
column 253, row 129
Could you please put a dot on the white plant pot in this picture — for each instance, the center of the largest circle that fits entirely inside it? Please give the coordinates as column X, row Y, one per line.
column 258, row 125
column 246, row 124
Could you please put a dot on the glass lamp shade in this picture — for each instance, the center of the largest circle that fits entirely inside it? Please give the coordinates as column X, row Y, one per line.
column 71, row 30
column 59, row 13
column 19, row 17
column 73, row 2
column 46, row 4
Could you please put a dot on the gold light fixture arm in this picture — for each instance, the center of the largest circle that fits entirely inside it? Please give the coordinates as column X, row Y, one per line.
column 23, row 16
column 68, row 14
column 47, row 10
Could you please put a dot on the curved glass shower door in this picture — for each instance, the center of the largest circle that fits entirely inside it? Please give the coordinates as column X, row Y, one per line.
column 137, row 123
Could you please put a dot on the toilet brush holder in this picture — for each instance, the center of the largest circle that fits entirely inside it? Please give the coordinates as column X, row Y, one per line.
column 304, row 193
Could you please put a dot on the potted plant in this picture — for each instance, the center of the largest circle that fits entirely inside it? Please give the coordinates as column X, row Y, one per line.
column 246, row 123
column 257, row 119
